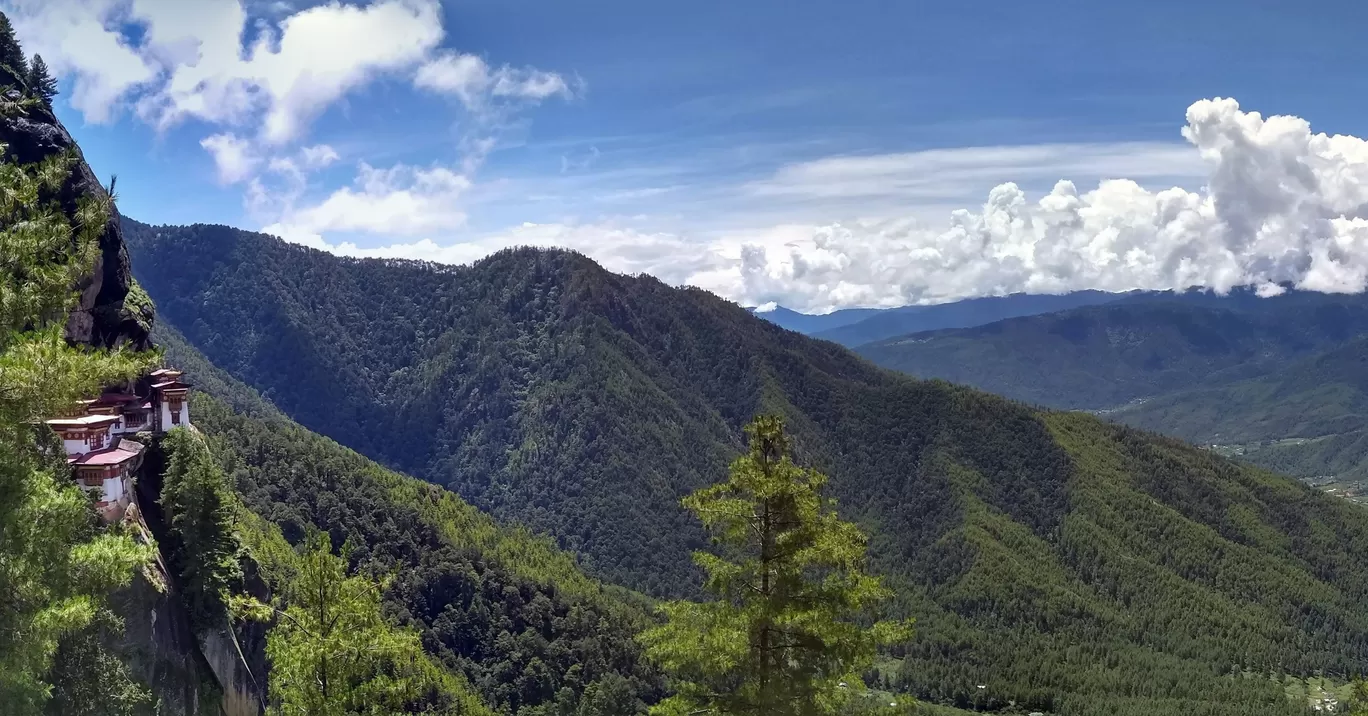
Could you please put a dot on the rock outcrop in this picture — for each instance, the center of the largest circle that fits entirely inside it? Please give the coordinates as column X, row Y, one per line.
column 112, row 311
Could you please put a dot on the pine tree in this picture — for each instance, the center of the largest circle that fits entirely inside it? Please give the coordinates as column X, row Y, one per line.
column 1358, row 698
column 784, row 635
column 11, row 52
column 198, row 504
column 56, row 564
column 40, row 82
column 331, row 650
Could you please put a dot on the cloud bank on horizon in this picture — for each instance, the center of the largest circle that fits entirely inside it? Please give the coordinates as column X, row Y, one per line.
column 1281, row 204
column 1278, row 203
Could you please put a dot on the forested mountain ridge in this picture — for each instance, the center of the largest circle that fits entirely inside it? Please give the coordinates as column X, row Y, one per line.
column 1064, row 564
column 856, row 326
column 1308, row 418
column 1325, row 394
column 965, row 313
column 1101, row 357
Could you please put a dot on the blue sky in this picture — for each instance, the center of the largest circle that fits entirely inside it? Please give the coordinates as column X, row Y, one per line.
column 810, row 153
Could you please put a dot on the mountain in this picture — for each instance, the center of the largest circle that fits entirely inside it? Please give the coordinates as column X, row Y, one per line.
column 1101, row 357
column 958, row 314
column 1326, row 394
column 111, row 310
column 1052, row 560
column 809, row 323
column 1308, row 418
column 856, row 326
column 506, row 609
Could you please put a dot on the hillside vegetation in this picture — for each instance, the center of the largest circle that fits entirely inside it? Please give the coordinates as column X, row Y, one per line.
column 506, row 610
column 1058, row 562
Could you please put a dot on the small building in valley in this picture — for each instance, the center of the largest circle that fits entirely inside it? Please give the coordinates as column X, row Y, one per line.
column 95, row 434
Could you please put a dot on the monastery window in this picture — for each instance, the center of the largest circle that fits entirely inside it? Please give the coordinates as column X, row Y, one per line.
column 97, row 441
column 175, row 416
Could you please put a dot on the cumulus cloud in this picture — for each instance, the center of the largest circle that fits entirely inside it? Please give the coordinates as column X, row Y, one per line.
column 1280, row 204
column 290, row 75
column 402, row 200
column 190, row 60
column 234, row 157
column 72, row 36
column 318, row 156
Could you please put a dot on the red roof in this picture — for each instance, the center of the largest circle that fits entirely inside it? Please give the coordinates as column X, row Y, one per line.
column 109, row 456
column 84, row 421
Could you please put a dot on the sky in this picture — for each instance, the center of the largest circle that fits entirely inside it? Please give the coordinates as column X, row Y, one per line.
column 817, row 155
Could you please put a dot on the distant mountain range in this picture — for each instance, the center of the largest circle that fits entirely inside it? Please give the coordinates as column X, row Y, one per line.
column 1054, row 562
column 1279, row 381
column 855, row 326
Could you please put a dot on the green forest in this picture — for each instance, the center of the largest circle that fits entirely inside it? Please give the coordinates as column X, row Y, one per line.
column 1052, row 561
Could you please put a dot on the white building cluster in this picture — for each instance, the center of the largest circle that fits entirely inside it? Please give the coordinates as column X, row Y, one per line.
column 95, row 435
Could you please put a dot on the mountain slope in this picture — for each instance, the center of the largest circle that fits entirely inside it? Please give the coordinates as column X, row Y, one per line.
column 1105, row 356
column 958, row 314
column 509, row 611
column 1063, row 563
column 1308, row 419
column 1323, row 395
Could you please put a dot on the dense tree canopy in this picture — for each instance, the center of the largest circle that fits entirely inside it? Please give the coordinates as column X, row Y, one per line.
column 511, row 613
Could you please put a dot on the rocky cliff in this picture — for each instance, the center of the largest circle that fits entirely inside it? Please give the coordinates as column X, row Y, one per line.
column 213, row 673
column 112, row 310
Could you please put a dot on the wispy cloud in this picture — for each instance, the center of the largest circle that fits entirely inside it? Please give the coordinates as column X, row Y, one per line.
column 939, row 174
column 1277, row 203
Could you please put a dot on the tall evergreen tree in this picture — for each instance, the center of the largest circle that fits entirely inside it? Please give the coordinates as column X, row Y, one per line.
column 332, row 653
column 56, row 564
column 198, row 504
column 40, row 81
column 784, row 635
column 11, row 52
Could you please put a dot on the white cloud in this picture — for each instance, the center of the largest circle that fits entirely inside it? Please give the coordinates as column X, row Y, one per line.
column 234, row 157
column 948, row 172
column 191, row 60
column 401, row 200
column 470, row 79
column 318, row 156
column 73, row 38
column 318, row 55
column 1280, row 204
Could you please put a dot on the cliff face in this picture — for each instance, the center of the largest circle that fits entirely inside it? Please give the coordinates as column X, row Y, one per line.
column 112, row 311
